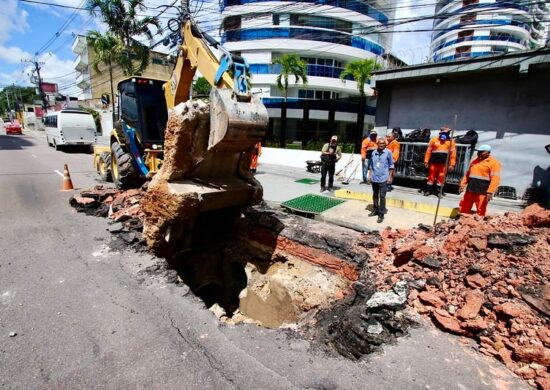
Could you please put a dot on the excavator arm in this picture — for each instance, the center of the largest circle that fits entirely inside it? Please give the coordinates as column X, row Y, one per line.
column 205, row 180
column 237, row 118
column 194, row 54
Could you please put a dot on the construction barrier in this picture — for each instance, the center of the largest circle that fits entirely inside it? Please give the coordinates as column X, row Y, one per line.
column 411, row 162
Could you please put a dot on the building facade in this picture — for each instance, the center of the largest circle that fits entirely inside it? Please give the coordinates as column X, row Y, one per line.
column 477, row 28
column 506, row 102
column 326, row 34
column 94, row 84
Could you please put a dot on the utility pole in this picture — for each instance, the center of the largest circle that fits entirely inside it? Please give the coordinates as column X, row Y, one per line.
column 40, row 91
column 8, row 99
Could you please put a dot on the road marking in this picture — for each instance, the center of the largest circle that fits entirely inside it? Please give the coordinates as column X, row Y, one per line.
column 34, row 155
column 59, row 173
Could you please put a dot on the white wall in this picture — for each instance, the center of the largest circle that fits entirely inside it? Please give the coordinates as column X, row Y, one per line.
column 298, row 158
column 519, row 155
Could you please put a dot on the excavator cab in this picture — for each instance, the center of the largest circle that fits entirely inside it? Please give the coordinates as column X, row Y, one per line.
column 137, row 140
column 142, row 106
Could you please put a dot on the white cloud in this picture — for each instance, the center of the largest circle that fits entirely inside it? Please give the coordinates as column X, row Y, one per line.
column 13, row 54
column 411, row 45
column 61, row 72
column 12, row 19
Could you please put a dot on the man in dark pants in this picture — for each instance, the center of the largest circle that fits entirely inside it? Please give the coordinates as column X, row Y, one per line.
column 330, row 154
column 380, row 175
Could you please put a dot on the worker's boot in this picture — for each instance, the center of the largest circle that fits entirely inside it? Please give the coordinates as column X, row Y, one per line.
column 440, row 191
column 428, row 190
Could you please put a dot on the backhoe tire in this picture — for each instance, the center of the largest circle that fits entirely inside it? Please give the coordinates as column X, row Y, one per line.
column 123, row 171
column 104, row 167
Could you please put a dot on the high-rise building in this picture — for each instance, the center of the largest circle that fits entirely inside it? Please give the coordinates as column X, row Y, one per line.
column 477, row 28
column 326, row 34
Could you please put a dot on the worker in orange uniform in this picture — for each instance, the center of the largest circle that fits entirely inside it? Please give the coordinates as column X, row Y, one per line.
column 394, row 147
column 480, row 182
column 439, row 149
column 367, row 147
column 257, row 152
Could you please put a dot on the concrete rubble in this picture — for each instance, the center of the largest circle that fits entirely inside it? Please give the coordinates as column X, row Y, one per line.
column 487, row 279
column 481, row 278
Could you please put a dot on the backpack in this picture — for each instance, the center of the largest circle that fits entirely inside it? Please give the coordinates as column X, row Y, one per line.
column 418, row 135
column 470, row 138
column 398, row 134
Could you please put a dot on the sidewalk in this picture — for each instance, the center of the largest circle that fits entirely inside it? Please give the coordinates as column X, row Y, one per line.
column 407, row 207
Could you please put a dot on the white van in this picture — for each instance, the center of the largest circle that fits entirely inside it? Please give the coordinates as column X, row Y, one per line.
column 70, row 127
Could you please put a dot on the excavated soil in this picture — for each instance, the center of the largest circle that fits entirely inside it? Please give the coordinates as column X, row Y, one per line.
column 482, row 278
column 486, row 279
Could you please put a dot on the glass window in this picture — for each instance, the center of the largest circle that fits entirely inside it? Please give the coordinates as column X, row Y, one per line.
column 320, row 61
column 276, row 20
column 329, row 62
column 318, row 94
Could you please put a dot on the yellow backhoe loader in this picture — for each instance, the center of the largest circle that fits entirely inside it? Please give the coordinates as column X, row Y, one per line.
column 219, row 175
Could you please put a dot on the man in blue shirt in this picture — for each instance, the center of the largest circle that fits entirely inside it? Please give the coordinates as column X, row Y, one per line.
column 380, row 174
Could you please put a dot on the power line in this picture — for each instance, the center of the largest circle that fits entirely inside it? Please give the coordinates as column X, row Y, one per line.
column 63, row 27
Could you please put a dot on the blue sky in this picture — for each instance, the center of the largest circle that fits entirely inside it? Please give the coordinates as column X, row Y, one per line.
column 25, row 28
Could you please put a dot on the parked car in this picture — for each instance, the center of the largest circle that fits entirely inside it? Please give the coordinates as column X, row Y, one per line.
column 13, row 127
column 70, row 127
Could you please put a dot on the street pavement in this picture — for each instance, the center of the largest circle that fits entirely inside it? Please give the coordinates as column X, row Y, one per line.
column 281, row 184
column 85, row 316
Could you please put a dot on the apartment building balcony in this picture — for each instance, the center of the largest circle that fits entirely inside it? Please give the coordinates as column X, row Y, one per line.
column 312, row 70
column 252, row 34
column 81, row 62
column 79, row 44
column 358, row 6
column 83, row 80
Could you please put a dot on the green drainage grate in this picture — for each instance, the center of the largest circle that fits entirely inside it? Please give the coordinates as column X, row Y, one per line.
column 308, row 181
column 312, row 204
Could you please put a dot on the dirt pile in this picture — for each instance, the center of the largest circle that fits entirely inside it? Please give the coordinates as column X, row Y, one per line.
column 364, row 321
column 487, row 279
column 196, row 180
column 121, row 207
column 483, row 278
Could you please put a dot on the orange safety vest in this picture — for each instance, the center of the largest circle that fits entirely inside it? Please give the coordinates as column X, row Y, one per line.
column 367, row 146
column 483, row 176
column 394, row 149
column 437, row 152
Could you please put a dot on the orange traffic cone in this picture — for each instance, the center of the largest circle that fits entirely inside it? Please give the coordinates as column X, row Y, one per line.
column 67, row 182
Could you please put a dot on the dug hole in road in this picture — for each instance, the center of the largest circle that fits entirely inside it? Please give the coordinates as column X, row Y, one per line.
column 350, row 293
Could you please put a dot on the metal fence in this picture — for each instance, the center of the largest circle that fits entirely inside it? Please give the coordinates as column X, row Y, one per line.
column 411, row 162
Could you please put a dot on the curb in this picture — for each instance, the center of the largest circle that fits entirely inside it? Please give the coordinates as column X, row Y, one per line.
column 427, row 208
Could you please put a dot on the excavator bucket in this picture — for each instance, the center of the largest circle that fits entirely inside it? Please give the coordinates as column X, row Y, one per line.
column 235, row 124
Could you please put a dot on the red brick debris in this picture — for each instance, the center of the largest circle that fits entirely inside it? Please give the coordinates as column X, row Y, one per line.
column 483, row 278
column 115, row 204
column 487, row 279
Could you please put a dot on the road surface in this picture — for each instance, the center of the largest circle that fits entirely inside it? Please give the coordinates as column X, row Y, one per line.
column 88, row 317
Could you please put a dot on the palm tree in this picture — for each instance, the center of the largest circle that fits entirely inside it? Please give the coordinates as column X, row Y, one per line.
column 108, row 50
column 121, row 18
column 361, row 71
column 291, row 65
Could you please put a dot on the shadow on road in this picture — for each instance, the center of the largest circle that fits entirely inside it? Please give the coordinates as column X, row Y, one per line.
column 13, row 142
column 84, row 149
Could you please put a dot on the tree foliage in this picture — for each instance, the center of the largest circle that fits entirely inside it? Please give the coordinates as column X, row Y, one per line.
column 108, row 49
column 23, row 95
column 291, row 65
column 361, row 71
column 202, row 87
column 123, row 22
